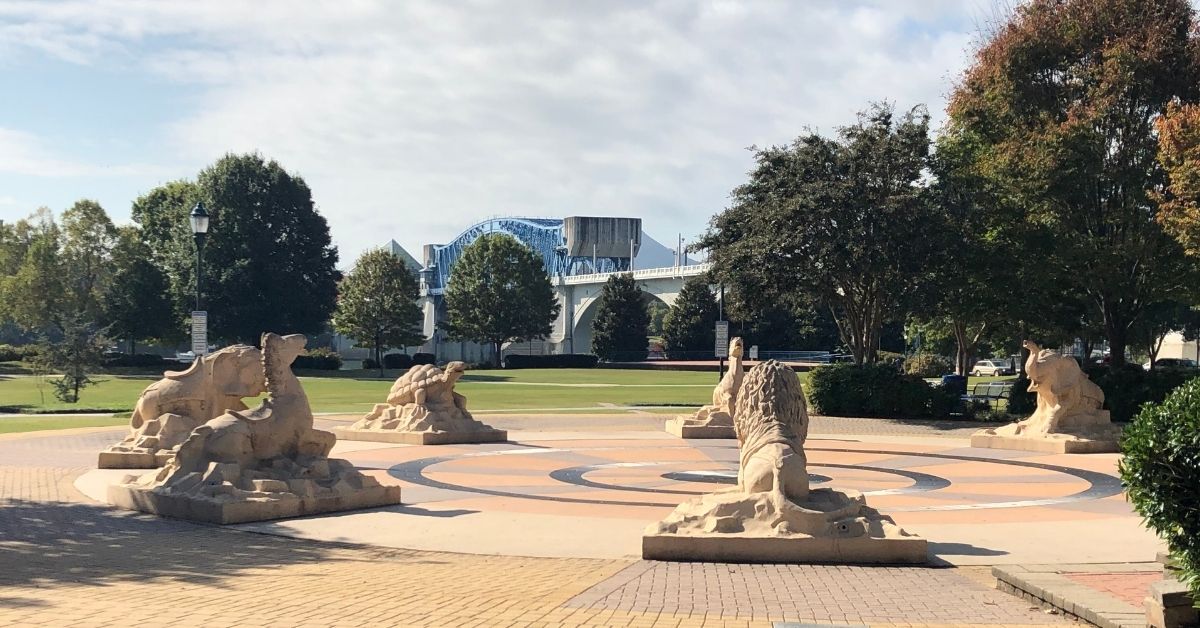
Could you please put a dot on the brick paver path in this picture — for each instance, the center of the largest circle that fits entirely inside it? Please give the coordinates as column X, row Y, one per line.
column 1128, row 586
column 66, row 561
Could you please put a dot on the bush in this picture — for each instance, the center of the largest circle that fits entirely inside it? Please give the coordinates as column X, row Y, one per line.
column 1127, row 388
column 1161, row 472
column 559, row 361
column 1020, row 401
column 876, row 390
column 397, row 361
column 424, row 358
column 22, row 353
column 136, row 360
column 370, row 364
column 319, row 359
column 928, row 365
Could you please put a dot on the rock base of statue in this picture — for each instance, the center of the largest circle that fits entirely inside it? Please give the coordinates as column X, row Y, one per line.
column 1049, row 443
column 275, row 489
column 686, row 427
column 414, row 424
column 485, row 435
column 707, row 422
column 113, row 458
column 828, row 527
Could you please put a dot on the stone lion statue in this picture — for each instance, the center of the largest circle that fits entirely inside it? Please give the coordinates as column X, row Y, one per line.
column 169, row 409
column 771, row 422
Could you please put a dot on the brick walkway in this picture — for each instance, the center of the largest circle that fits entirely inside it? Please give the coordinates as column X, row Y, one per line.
column 71, row 562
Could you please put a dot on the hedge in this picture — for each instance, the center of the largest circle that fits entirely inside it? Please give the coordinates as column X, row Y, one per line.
column 319, row 359
column 1127, row 388
column 876, row 390
column 1161, row 472
column 928, row 365
column 397, row 361
column 11, row 353
column 423, row 358
column 557, row 361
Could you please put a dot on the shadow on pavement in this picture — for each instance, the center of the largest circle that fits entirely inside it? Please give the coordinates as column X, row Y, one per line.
column 48, row 543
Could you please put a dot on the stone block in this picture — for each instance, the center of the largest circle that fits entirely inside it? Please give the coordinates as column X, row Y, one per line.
column 725, row 548
column 226, row 512
column 681, row 429
column 110, row 459
column 270, row 486
column 1048, row 445
column 422, row 438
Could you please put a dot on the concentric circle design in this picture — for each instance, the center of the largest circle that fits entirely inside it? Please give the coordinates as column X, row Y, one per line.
column 609, row 489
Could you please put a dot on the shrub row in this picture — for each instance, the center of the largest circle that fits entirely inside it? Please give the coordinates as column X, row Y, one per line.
column 1129, row 387
column 928, row 365
column 11, row 353
column 558, row 361
column 876, row 390
column 401, row 361
column 319, row 359
column 137, row 359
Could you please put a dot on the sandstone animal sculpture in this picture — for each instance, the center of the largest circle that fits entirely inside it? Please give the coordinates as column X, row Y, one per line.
column 423, row 408
column 715, row 420
column 773, row 515
column 1068, row 418
column 169, row 409
column 264, row 463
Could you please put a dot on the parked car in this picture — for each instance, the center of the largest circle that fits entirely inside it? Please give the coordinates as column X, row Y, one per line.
column 1171, row 363
column 992, row 368
column 186, row 357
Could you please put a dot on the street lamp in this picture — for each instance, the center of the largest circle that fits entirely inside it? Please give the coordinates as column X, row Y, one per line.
column 199, row 220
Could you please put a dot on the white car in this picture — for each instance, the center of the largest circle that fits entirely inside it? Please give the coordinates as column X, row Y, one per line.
column 991, row 368
column 186, row 357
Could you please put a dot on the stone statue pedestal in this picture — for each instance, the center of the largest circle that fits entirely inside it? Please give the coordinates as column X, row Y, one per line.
column 1002, row 438
column 687, row 427
column 213, row 499
column 483, row 435
column 829, row 527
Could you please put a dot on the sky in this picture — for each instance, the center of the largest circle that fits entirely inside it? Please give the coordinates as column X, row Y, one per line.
column 413, row 120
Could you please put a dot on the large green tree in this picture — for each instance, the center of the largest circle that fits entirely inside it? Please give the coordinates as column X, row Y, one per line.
column 836, row 222
column 499, row 291
column 88, row 240
column 377, row 304
column 269, row 264
column 1061, row 104
column 34, row 295
column 620, row 329
column 689, row 324
column 137, row 304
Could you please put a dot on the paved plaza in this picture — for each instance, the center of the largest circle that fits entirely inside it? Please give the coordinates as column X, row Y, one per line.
column 545, row 531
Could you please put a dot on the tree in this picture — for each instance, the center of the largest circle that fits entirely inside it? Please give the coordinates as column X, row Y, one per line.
column 34, row 296
column 835, row 222
column 88, row 239
column 74, row 355
column 499, row 291
column 1158, row 320
column 1179, row 155
column 619, row 331
column 137, row 305
column 269, row 263
column 1062, row 104
column 689, row 324
column 377, row 304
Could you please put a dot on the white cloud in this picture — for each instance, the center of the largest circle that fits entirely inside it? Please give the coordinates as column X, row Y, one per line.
column 411, row 120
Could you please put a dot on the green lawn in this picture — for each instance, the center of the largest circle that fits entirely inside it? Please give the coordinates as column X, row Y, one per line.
column 357, row 391
column 33, row 424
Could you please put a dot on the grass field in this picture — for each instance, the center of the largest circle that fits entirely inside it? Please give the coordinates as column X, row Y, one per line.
column 535, row 390
column 34, row 424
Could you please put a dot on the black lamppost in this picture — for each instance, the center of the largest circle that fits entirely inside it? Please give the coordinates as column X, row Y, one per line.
column 199, row 219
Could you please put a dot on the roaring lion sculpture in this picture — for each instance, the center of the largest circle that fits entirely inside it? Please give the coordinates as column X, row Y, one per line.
column 1068, row 417
column 169, row 409
column 264, row 463
column 773, row 515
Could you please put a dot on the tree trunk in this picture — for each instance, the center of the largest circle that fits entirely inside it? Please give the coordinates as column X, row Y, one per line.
column 132, row 345
column 378, row 357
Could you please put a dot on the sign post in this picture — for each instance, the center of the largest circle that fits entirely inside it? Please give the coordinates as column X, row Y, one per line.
column 754, row 352
column 199, row 333
column 721, row 348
